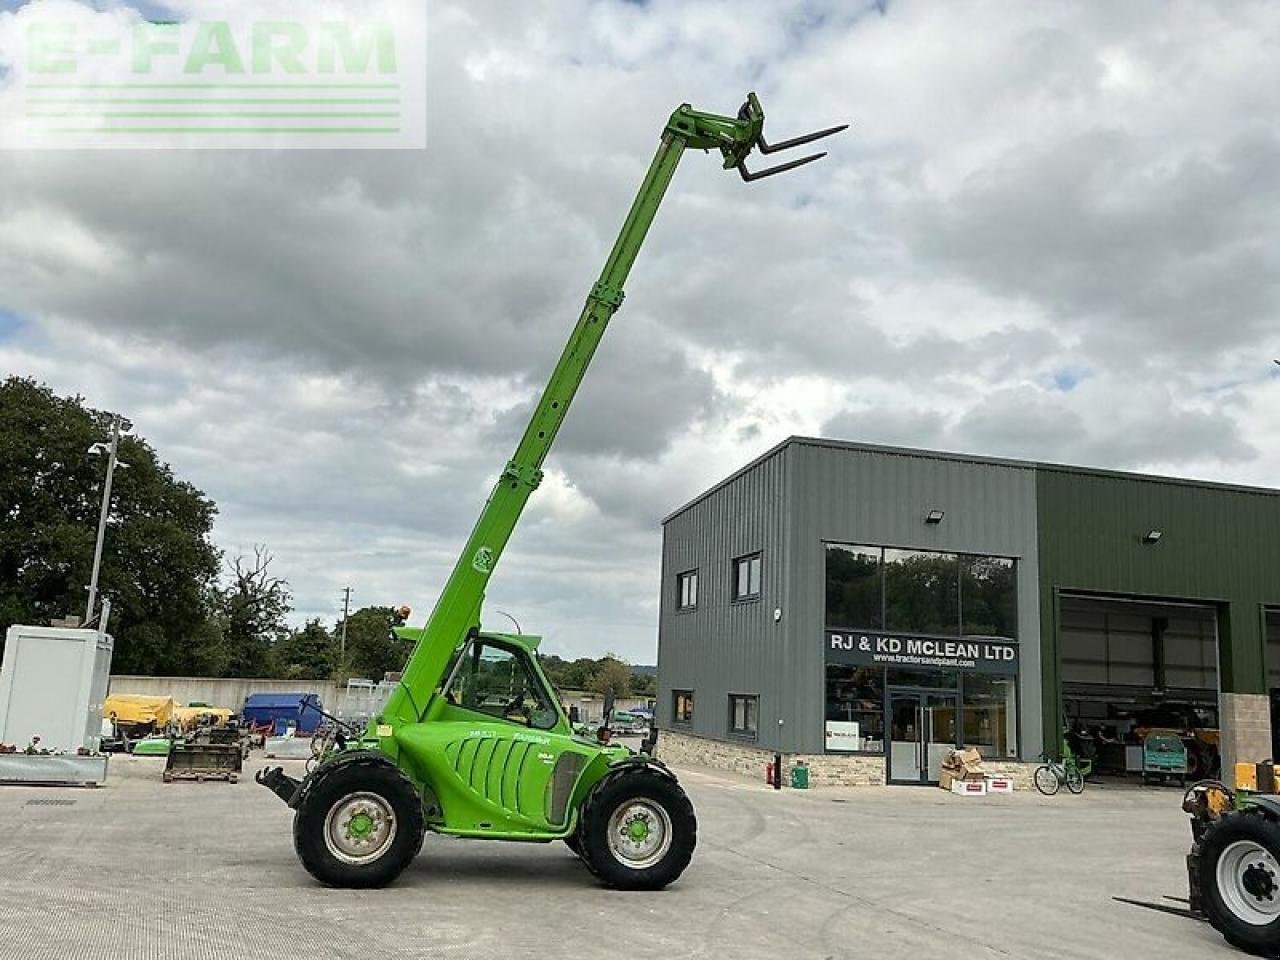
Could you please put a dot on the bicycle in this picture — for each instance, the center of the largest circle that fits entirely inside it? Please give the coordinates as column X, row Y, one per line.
column 1051, row 775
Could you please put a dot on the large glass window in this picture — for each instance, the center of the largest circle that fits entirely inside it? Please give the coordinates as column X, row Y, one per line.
column 991, row 715
column 498, row 681
column 855, row 696
column 921, row 592
column 988, row 597
column 854, row 594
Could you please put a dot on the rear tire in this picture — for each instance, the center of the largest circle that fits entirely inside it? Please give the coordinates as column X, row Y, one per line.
column 359, row 824
column 1046, row 780
column 638, row 829
column 1240, row 880
column 1075, row 780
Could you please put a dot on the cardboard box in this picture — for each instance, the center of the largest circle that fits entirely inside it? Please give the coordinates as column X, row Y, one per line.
column 969, row 788
column 964, row 764
column 948, row 778
column 999, row 785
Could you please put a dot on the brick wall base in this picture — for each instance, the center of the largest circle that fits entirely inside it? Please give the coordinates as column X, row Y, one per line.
column 825, row 769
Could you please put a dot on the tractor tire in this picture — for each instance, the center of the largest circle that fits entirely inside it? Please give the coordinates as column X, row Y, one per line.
column 574, row 842
column 359, row 825
column 638, row 829
column 1240, row 881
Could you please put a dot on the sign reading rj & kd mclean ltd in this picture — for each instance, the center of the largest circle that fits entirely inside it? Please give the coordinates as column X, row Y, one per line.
column 975, row 654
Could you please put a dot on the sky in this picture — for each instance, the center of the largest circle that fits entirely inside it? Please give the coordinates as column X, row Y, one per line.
column 1050, row 233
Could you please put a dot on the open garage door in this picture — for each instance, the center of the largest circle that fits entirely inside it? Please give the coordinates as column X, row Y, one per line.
column 1273, row 675
column 1131, row 668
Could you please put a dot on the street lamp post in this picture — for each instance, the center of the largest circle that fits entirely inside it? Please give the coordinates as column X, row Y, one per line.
column 110, row 449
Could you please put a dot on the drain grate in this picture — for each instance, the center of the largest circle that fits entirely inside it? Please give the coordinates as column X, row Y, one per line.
column 50, row 802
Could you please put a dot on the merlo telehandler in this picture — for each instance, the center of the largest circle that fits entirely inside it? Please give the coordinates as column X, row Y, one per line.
column 474, row 741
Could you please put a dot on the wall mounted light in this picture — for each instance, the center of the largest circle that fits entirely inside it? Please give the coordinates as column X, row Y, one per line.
column 1152, row 536
column 934, row 516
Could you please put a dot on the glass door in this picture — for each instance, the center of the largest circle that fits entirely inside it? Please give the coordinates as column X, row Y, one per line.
column 922, row 731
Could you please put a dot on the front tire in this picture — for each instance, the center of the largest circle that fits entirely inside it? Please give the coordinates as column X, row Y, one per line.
column 638, row 829
column 359, row 825
column 1240, row 878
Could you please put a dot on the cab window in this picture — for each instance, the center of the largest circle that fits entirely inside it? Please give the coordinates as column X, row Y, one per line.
column 497, row 681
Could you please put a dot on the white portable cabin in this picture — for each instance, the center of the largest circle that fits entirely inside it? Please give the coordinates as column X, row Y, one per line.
column 53, row 681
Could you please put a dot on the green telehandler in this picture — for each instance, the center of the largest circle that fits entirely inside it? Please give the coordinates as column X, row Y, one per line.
column 474, row 742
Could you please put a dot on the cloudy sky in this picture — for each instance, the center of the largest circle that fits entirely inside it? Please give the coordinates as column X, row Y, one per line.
column 1051, row 233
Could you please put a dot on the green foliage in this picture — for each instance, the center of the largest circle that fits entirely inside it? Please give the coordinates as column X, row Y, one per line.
column 611, row 673
column 158, row 564
column 308, row 653
column 594, row 675
column 252, row 611
column 372, row 649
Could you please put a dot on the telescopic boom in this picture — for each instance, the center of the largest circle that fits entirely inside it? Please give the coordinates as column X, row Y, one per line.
column 457, row 611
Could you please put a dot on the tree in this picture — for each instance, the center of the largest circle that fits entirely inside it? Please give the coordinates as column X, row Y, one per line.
column 253, row 607
column 372, row 649
column 644, row 685
column 611, row 672
column 308, row 653
column 158, row 563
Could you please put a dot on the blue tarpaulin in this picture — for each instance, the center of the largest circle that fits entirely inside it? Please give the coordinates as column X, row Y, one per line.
column 277, row 710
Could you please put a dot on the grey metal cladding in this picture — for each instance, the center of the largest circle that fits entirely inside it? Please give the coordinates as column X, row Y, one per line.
column 863, row 494
column 721, row 646
column 787, row 504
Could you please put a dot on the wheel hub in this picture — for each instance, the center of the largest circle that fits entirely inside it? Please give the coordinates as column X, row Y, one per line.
column 639, row 833
column 360, row 827
column 1259, row 882
column 1247, row 875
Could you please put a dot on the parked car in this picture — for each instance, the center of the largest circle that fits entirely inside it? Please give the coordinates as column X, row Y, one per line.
column 624, row 721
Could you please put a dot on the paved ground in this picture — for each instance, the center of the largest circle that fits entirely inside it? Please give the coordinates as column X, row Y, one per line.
column 141, row 869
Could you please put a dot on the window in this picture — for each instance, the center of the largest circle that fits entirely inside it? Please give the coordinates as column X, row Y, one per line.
column 682, row 706
column 855, row 695
column 746, row 577
column 744, row 713
column 991, row 716
column 988, row 597
column 687, row 590
column 854, row 587
column 920, row 591
column 497, row 681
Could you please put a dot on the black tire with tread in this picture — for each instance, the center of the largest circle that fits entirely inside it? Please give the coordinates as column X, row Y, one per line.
column 574, row 843
column 370, row 773
column 1260, row 941
column 627, row 783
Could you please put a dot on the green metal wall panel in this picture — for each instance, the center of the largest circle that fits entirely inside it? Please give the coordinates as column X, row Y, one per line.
column 1220, row 545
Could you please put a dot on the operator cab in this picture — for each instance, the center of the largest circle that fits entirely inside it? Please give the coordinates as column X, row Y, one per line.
column 496, row 675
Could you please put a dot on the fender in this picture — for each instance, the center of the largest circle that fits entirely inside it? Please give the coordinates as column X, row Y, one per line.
column 293, row 792
column 1267, row 805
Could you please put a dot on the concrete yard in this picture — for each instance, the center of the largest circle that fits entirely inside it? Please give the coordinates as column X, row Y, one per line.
column 141, row 869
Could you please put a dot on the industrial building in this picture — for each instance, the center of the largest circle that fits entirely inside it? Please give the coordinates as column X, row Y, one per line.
column 866, row 609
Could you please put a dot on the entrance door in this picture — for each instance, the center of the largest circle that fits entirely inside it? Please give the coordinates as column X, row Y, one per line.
column 922, row 730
